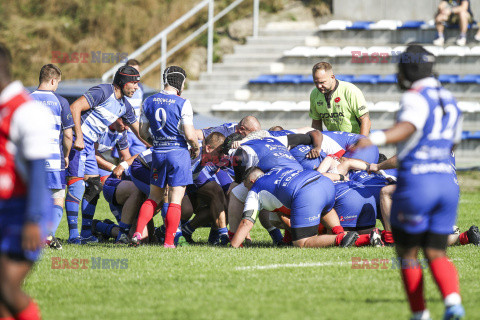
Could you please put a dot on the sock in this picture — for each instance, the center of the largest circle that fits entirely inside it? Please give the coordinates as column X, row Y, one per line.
column 287, row 237
column 164, row 210
column 445, row 276
column 413, row 283
column 188, row 229
column 387, row 236
column 230, row 235
column 146, row 214
column 178, row 234
column 76, row 188
column 321, row 229
column 116, row 211
column 124, row 228
column 338, row 230
column 363, row 240
column 275, row 234
column 105, row 228
column 172, row 220
column 57, row 217
column 339, row 238
column 9, row 318
column 222, row 231
column 31, row 312
column 88, row 211
column 463, row 238
column 463, row 35
column 440, row 34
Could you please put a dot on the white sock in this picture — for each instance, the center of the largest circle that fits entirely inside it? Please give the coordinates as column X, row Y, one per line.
column 452, row 299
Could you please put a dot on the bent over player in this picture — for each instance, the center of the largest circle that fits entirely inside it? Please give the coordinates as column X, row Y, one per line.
column 425, row 202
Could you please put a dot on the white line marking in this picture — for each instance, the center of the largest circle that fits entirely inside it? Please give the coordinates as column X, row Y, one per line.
column 293, row 265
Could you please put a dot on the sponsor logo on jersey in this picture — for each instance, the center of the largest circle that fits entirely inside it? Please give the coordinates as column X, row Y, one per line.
column 331, row 115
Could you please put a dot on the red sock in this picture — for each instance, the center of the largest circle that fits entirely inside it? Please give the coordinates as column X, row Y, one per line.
column 9, row 318
column 171, row 222
column 287, row 237
column 445, row 275
column 463, row 238
column 230, row 235
column 338, row 230
column 387, row 236
column 321, row 229
column 31, row 312
column 145, row 214
column 413, row 283
column 363, row 240
column 339, row 238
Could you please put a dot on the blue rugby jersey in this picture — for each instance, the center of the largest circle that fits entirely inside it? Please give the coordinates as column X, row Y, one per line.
column 62, row 119
column 166, row 112
column 438, row 121
column 111, row 139
column 226, row 129
column 104, row 110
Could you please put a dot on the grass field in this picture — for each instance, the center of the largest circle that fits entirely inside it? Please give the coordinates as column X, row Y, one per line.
column 261, row 282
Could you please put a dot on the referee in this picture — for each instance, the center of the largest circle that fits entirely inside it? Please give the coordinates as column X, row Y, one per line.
column 338, row 104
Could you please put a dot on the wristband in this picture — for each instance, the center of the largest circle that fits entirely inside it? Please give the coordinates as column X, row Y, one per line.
column 113, row 167
column 378, row 138
column 124, row 164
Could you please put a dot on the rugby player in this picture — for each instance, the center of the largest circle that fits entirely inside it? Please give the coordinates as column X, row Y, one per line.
column 425, row 202
column 171, row 122
column 60, row 143
column 25, row 200
column 92, row 113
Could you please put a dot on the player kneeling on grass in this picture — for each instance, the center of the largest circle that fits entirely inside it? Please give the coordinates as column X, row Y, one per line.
column 304, row 195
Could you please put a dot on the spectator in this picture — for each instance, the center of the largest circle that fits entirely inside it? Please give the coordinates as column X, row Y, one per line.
column 453, row 12
column 339, row 104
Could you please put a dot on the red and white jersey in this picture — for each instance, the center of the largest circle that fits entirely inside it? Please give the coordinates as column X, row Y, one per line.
column 24, row 135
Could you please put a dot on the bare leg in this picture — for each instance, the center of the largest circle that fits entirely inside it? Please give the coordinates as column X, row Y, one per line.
column 320, row 241
column 235, row 210
column 386, row 205
column 12, row 275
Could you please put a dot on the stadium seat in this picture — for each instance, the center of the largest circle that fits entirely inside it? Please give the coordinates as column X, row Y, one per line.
column 347, row 51
column 399, row 49
column 366, row 78
column 448, row 78
column 435, row 50
column 335, row 25
column 386, row 25
column 469, row 106
column 285, row 106
column 306, row 79
column 229, row 106
column 256, row 106
column 474, row 51
column 386, row 106
column 412, row 24
column 300, row 51
column 389, row 78
column 455, row 51
column 474, row 135
column 327, row 52
column 379, row 50
column 360, row 25
column 344, row 77
column 289, row 78
column 469, row 78
column 303, row 106
column 264, row 78
column 465, row 135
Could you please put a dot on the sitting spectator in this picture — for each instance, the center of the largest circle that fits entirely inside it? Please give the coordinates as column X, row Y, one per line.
column 453, row 12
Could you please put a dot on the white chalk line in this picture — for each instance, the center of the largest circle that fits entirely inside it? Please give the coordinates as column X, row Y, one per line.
column 293, row 265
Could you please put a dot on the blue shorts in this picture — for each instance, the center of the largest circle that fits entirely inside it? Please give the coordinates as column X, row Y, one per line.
column 172, row 168
column 368, row 154
column 140, row 176
column 356, row 204
column 311, row 201
column 12, row 219
column 109, row 188
column 82, row 162
column 425, row 203
column 55, row 180
column 220, row 176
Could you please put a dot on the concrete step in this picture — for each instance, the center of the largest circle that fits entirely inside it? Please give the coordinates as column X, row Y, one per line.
column 252, row 57
column 275, row 40
column 216, row 84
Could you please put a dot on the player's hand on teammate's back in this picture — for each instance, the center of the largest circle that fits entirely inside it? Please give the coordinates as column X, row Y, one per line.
column 362, row 143
column 314, row 153
column 194, row 152
column 79, row 144
column 31, row 236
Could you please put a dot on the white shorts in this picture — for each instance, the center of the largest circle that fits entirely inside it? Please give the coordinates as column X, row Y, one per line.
column 57, row 193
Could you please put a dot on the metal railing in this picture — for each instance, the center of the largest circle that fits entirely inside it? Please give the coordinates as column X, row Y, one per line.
column 162, row 36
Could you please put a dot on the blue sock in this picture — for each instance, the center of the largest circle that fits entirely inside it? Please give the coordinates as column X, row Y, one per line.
column 74, row 194
column 88, row 211
column 105, row 228
column 188, row 229
column 116, row 211
column 213, row 235
column 222, row 231
column 125, row 228
column 164, row 209
column 57, row 217
column 177, row 235
column 276, row 234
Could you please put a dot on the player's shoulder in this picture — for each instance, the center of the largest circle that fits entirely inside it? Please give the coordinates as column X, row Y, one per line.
column 61, row 99
column 348, row 87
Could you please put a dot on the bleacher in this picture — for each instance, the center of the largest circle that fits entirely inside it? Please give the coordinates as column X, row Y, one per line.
column 270, row 77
